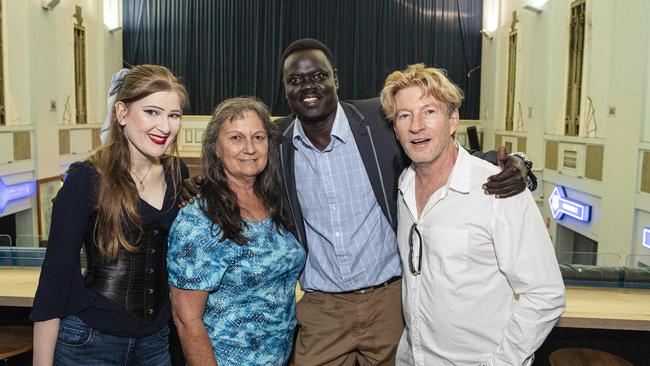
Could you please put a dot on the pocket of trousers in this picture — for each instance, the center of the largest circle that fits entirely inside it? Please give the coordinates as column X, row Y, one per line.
column 164, row 333
column 74, row 332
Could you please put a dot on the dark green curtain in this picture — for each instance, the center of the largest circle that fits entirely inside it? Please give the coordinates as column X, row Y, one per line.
column 226, row 48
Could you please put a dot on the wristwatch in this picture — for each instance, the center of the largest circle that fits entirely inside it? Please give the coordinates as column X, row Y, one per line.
column 531, row 179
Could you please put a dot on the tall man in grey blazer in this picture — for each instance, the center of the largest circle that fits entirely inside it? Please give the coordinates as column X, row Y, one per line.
column 340, row 164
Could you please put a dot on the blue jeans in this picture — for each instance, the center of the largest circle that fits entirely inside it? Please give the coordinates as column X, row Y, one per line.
column 79, row 344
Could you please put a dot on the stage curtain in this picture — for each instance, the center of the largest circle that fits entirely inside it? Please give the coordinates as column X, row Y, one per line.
column 226, row 48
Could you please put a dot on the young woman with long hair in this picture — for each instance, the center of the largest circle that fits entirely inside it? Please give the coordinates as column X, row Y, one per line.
column 118, row 205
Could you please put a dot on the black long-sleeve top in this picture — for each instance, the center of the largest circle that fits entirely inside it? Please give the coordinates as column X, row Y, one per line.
column 61, row 291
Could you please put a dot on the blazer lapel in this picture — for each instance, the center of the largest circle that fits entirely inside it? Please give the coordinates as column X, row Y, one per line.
column 363, row 137
column 290, row 196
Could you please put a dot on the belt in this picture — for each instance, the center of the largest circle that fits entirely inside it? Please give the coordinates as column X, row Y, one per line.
column 366, row 290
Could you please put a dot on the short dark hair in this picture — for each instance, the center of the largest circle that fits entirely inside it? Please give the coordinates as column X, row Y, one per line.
column 307, row 44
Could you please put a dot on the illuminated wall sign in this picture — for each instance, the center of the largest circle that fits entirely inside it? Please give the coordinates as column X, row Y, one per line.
column 561, row 205
column 646, row 237
column 14, row 192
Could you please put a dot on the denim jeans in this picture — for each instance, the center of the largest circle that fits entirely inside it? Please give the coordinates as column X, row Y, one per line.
column 78, row 344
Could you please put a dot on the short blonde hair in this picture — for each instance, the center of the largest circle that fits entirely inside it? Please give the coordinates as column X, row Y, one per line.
column 433, row 81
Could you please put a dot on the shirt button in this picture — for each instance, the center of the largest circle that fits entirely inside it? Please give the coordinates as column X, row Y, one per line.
column 150, row 270
column 150, row 311
column 150, row 291
column 155, row 232
column 152, row 251
column 333, row 207
column 337, row 234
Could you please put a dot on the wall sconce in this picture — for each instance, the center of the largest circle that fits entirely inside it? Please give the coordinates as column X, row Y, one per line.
column 646, row 237
column 112, row 15
column 491, row 11
column 487, row 34
column 533, row 8
column 536, row 6
column 49, row 4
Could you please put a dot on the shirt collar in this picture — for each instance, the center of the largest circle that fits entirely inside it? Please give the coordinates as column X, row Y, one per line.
column 340, row 129
column 459, row 179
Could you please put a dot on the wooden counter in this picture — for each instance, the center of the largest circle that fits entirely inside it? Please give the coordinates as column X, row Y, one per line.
column 606, row 308
column 18, row 285
column 586, row 307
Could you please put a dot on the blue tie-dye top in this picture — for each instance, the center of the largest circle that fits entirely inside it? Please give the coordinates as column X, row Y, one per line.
column 250, row 310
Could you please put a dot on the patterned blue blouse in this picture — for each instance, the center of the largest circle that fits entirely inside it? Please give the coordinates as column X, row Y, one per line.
column 251, row 306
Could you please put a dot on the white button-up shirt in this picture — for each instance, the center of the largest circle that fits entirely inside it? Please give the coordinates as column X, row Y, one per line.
column 490, row 290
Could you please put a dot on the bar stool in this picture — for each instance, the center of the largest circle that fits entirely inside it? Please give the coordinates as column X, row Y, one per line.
column 585, row 357
column 14, row 340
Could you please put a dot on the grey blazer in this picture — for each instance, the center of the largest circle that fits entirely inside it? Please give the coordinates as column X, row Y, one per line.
column 382, row 157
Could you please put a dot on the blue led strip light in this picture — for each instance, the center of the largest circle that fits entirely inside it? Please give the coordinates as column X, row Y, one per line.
column 14, row 192
column 646, row 237
column 561, row 205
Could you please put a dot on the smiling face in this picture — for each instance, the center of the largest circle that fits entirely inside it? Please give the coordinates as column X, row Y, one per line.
column 151, row 123
column 423, row 125
column 310, row 85
column 243, row 146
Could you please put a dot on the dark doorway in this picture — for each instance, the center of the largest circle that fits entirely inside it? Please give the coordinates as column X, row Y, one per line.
column 8, row 230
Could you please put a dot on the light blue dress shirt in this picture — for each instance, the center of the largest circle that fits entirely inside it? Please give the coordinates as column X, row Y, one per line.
column 351, row 244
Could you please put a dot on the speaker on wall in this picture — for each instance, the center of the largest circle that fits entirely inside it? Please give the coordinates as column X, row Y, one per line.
column 472, row 136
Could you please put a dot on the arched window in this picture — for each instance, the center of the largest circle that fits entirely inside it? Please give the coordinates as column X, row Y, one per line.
column 512, row 75
column 576, row 55
column 3, row 111
column 80, row 68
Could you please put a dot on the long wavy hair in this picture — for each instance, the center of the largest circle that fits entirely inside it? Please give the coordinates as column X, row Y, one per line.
column 117, row 201
column 219, row 201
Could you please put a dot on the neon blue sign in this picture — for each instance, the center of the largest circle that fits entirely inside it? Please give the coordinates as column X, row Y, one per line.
column 561, row 205
column 14, row 192
column 646, row 237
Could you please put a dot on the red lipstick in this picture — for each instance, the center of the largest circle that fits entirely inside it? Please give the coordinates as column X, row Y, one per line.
column 158, row 140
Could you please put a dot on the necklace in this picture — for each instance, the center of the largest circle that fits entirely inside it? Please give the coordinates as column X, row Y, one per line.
column 141, row 187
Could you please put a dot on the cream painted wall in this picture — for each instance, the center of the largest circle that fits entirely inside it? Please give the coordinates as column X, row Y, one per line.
column 616, row 75
column 39, row 68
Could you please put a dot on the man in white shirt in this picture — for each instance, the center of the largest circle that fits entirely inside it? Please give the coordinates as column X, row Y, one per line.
column 481, row 284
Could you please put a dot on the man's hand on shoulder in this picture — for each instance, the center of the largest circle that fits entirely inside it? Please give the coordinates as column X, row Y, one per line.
column 512, row 178
column 190, row 190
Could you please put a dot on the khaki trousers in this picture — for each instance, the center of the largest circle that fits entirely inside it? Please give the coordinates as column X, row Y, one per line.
column 349, row 329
